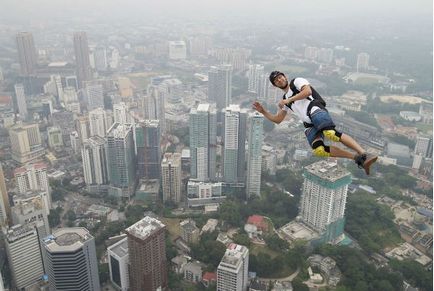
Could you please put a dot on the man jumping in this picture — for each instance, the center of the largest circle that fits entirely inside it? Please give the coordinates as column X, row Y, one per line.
column 307, row 104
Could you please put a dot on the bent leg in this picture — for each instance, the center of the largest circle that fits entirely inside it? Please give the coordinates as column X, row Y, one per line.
column 351, row 143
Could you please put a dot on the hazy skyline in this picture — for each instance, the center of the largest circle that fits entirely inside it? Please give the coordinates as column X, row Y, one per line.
column 278, row 10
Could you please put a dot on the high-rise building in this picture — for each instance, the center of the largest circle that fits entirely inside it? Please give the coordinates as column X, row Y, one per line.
column 100, row 55
column 82, row 127
column 177, row 50
column 21, row 101
column 118, row 259
column 232, row 272
column 95, row 95
column 70, row 95
column 311, row 53
column 5, row 208
column 234, row 144
column 263, row 85
column 26, row 142
column 55, row 139
column 82, row 60
column 171, row 177
column 203, row 142
column 220, row 86
column 362, row 62
column 147, row 255
column 322, row 205
column 32, row 208
column 148, row 140
column 121, row 160
column 98, row 122
column 33, row 178
column 424, row 146
column 26, row 53
column 254, row 154
column 325, row 55
column 70, row 260
column 154, row 106
column 120, row 112
column 200, row 45
column 93, row 154
column 24, row 255
column 255, row 72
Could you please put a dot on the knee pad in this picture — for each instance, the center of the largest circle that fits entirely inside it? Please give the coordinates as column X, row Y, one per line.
column 332, row 134
column 320, row 150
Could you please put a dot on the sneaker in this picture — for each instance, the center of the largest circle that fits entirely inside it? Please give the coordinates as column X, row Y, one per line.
column 365, row 161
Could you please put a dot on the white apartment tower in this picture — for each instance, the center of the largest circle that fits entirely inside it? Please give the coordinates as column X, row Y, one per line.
column 234, row 144
column 362, row 62
column 21, row 101
column 93, row 154
column 255, row 72
column 324, row 195
column 232, row 272
column 98, row 122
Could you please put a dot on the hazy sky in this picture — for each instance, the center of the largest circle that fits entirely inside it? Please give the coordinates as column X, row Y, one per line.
column 306, row 10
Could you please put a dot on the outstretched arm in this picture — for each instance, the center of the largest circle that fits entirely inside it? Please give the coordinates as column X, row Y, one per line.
column 277, row 118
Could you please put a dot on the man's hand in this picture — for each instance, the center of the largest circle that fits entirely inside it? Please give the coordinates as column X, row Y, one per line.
column 258, row 107
column 284, row 102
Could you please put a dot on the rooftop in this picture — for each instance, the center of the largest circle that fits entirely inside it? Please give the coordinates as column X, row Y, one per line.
column 327, row 170
column 120, row 248
column 67, row 239
column 145, row 227
column 234, row 255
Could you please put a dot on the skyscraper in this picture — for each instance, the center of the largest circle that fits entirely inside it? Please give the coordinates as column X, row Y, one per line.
column 70, row 260
column 232, row 272
column 21, row 101
column 203, row 142
column 148, row 139
column 322, row 205
column 26, row 53
column 98, row 122
column 120, row 112
column 171, row 177
column 82, row 127
column 362, row 62
column 121, row 161
column 255, row 71
column 119, row 264
column 93, row 154
column 33, row 178
column 26, row 142
column 154, row 106
column 100, row 58
column 24, row 255
column 147, row 255
column 95, row 96
column 177, row 50
column 254, row 154
column 234, row 144
column 5, row 208
column 82, row 60
column 220, row 86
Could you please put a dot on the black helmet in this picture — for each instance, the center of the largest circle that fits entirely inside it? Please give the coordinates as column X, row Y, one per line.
column 274, row 75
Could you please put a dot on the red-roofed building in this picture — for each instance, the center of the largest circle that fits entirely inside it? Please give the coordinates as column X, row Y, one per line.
column 258, row 221
column 208, row 278
column 5, row 102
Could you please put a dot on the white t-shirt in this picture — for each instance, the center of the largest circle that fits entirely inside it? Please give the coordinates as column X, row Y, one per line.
column 299, row 107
